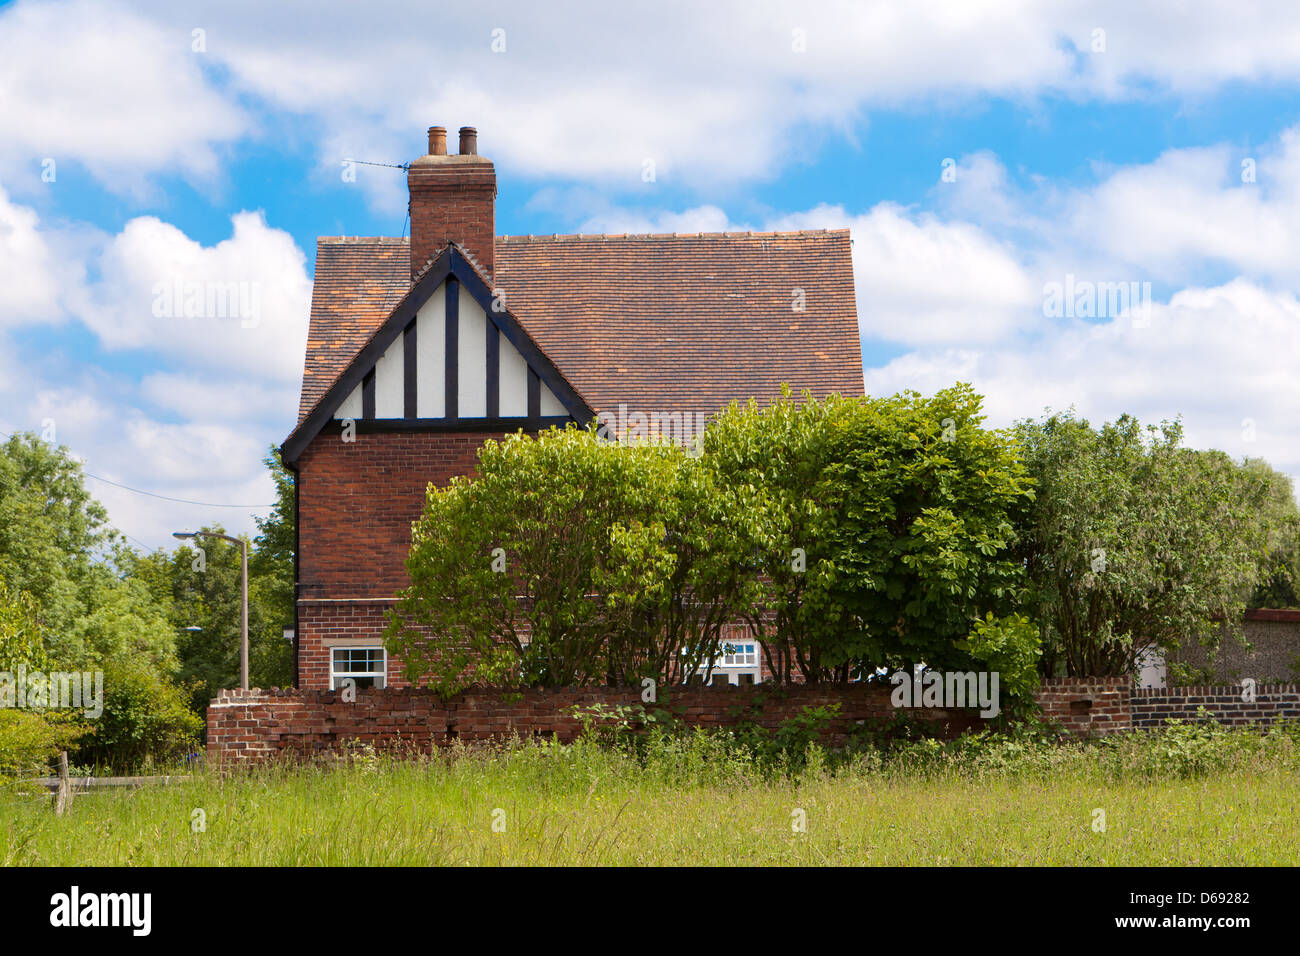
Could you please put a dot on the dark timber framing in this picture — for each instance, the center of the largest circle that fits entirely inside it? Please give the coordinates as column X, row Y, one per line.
column 534, row 395
column 368, row 395
column 508, row 425
column 451, row 264
column 452, row 352
column 410, row 374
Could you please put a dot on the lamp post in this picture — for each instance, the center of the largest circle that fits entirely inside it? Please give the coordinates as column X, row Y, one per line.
column 243, row 594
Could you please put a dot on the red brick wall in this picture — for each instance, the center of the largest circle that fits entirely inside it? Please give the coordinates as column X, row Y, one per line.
column 357, row 500
column 356, row 503
column 1089, row 705
column 320, row 620
column 253, row 725
column 452, row 200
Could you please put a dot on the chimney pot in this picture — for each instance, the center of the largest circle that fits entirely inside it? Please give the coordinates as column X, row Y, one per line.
column 437, row 141
column 468, row 141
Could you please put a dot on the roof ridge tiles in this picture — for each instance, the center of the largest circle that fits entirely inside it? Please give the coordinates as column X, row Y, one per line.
column 600, row 236
column 369, row 240
column 593, row 236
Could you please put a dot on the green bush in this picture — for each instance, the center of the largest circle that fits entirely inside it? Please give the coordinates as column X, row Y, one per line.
column 146, row 721
column 1009, row 646
column 29, row 741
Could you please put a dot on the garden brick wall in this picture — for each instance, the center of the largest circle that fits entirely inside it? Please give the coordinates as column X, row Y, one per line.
column 1103, row 705
column 1152, row 707
column 254, row 725
column 1087, row 706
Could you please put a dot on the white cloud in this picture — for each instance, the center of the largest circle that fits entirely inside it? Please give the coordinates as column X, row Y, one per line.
column 923, row 281
column 695, row 220
column 1169, row 220
column 28, row 290
column 240, row 306
column 1219, row 358
column 99, row 418
column 100, row 85
column 210, row 396
column 715, row 94
column 202, row 397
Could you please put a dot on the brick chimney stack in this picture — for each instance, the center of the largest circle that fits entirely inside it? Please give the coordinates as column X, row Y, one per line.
column 453, row 199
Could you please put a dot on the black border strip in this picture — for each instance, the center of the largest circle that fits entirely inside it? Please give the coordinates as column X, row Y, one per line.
column 410, row 396
column 368, row 394
column 452, row 355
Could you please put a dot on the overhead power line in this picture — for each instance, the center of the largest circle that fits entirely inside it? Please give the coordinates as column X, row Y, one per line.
column 151, row 494
column 184, row 501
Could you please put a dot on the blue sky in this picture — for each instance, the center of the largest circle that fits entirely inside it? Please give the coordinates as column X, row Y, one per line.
column 1094, row 143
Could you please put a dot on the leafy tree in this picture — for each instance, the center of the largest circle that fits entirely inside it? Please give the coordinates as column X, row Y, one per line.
column 98, row 605
column 29, row 739
column 271, row 583
column 690, row 569
column 894, row 519
column 569, row 560
column 1134, row 541
column 146, row 720
column 20, row 634
column 200, row 596
column 198, row 583
column 1279, row 584
column 923, row 543
column 56, row 546
column 786, row 450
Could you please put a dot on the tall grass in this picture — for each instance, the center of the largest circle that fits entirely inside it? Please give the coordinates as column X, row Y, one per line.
column 1194, row 795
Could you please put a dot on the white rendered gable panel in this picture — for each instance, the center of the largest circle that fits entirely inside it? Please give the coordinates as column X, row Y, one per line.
column 390, row 396
column 513, row 379
column 471, row 360
column 550, row 404
column 351, row 406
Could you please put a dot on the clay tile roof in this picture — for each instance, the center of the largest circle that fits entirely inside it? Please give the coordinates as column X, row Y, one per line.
column 358, row 282
column 660, row 323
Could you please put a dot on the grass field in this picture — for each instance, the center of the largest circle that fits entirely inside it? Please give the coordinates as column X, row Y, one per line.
column 1193, row 796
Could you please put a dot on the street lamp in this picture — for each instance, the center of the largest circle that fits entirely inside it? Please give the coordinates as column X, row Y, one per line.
column 243, row 594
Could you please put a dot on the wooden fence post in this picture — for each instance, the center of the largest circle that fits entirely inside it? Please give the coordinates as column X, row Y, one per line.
column 63, row 799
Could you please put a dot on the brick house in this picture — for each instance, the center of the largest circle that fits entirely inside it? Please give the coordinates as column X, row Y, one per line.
column 420, row 350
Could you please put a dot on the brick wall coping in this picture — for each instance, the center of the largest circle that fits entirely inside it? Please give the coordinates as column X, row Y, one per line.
column 1208, row 690
column 1047, row 684
column 238, row 696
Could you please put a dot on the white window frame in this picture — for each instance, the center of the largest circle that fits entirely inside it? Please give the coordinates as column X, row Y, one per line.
column 739, row 665
column 733, row 671
column 381, row 676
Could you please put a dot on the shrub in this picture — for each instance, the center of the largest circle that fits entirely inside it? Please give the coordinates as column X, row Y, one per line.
column 30, row 741
column 146, row 720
